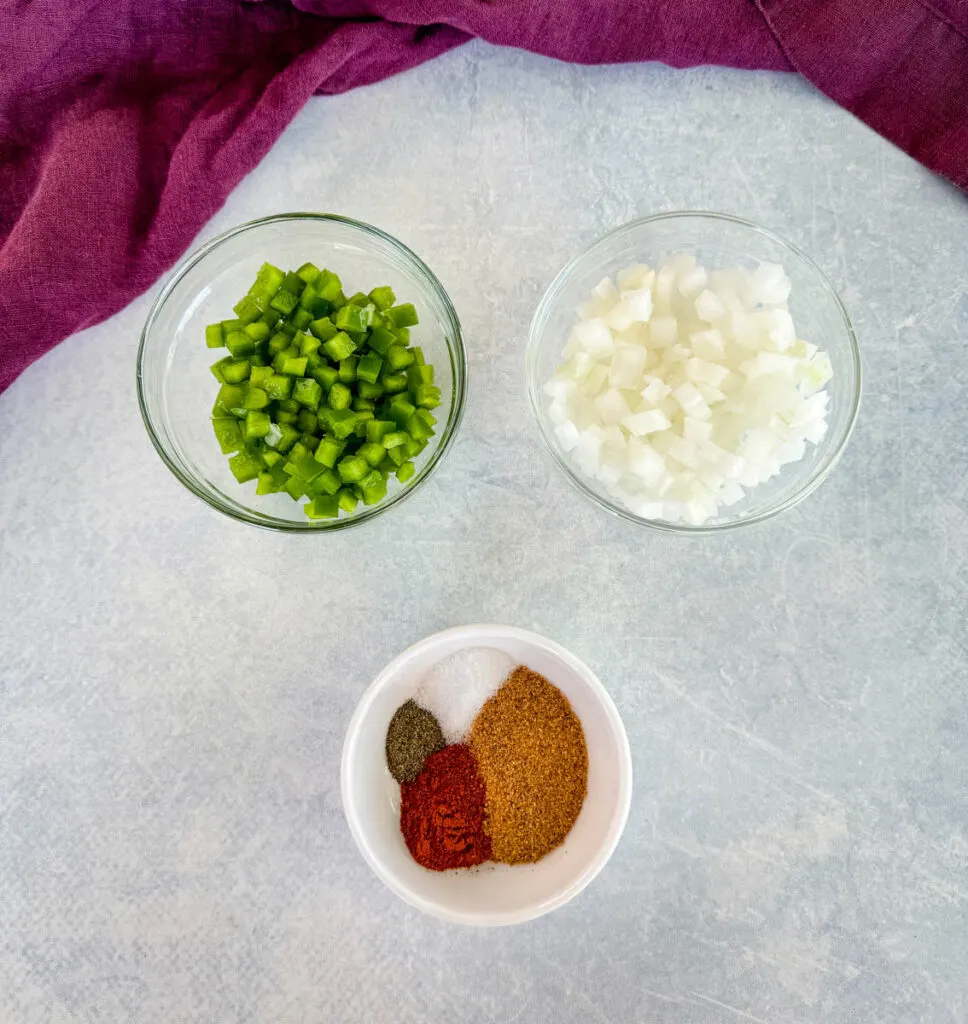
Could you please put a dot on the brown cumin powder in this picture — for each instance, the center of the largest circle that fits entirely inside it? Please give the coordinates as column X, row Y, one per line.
column 531, row 753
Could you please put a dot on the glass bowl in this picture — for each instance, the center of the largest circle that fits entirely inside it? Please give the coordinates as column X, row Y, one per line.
column 176, row 389
column 717, row 241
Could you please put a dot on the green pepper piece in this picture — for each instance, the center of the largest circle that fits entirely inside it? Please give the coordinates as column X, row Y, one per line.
column 285, row 301
column 323, row 506
column 267, row 281
column 393, row 382
column 362, row 405
column 295, row 366
column 399, row 358
column 296, row 487
column 414, row 448
column 214, row 337
column 255, row 398
column 383, row 297
column 301, row 319
column 403, row 316
column 363, row 416
column 309, row 272
column 306, row 421
column 342, row 423
column 347, row 500
column 417, row 375
column 239, row 343
column 339, row 346
column 278, row 387
column 323, row 328
column 257, row 425
column 417, row 428
column 257, row 331
column 400, row 410
column 270, row 457
column 266, row 484
column 270, row 318
column 247, row 309
column 308, row 345
column 289, row 436
column 236, row 370
column 259, row 375
column 377, row 429
column 279, row 342
column 328, row 452
column 395, row 438
column 218, row 367
column 294, row 283
column 308, row 297
column 372, row 452
column 329, row 285
column 339, row 396
column 354, row 319
column 245, row 467
column 373, row 488
column 398, row 456
column 231, row 396
column 369, row 368
column 305, row 465
column 427, row 396
column 369, row 391
column 352, row 469
column 307, row 392
column 326, row 376
column 381, row 340
column 347, row 369
column 327, row 482
column 228, row 433
column 406, row 472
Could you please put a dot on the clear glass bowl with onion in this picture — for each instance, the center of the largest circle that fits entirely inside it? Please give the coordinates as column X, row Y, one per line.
column 718, row 242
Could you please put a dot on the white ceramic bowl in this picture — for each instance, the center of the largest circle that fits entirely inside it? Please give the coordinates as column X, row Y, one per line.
column 493, row 894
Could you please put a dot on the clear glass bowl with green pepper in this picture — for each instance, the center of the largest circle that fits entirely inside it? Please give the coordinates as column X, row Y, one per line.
column 302, row 372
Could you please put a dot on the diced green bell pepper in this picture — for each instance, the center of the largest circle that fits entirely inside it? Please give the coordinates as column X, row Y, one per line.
column 369, row 368
column 339, row 346
column 307, row 392
column 383, row 297
column 245, row 467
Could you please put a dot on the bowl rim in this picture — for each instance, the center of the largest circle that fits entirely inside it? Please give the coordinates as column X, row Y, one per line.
column 481, row 635
column 455, row 349
column 543, row 312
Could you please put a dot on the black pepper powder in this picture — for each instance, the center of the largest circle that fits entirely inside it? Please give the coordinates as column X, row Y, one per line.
column 414, row 735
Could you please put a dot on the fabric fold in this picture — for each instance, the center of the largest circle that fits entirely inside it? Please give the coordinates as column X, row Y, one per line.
column 124, row 125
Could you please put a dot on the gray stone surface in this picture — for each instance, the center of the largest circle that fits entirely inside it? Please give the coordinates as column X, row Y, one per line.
column 174, row 686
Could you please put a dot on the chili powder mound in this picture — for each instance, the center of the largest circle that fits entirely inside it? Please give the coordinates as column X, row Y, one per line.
column 531, row 753
column 442, row 812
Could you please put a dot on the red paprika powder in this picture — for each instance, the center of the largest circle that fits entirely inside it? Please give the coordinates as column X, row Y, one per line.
column 442, row 812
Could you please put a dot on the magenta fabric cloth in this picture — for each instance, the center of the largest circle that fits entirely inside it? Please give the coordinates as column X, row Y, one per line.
column 124, row 124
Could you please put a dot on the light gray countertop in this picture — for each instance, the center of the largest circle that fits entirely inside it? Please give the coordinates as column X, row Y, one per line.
column 174, row 686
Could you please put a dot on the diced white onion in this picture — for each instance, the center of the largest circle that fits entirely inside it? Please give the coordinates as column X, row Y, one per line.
column 678, row 420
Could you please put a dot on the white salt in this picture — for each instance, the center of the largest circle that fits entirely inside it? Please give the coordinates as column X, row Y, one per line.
column 455, row 689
